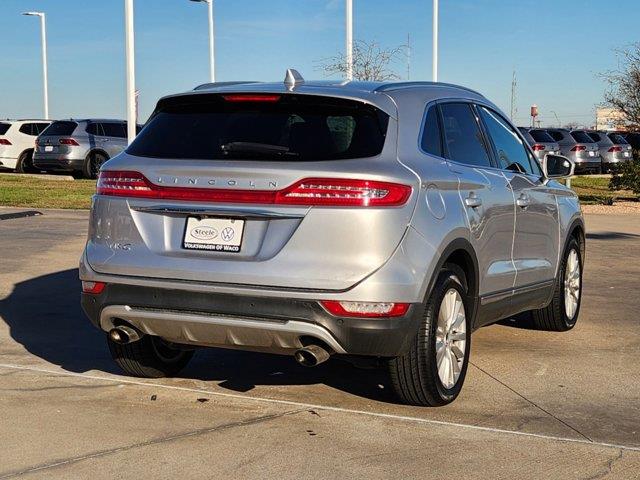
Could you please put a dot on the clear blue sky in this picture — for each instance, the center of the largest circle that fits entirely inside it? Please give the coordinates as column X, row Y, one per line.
column 556, row 46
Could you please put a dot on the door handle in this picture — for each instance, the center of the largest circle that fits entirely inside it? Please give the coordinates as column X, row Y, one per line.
column 523, row 201
column 473, row 201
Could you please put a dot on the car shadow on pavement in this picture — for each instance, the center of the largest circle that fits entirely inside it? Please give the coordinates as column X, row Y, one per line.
column 610, row 236
column 45, row 317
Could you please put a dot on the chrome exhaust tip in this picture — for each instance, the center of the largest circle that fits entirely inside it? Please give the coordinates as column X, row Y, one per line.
column 123, row 335
column 311, row 355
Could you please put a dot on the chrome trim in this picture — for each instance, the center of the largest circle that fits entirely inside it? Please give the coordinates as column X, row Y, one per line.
column 206, row 329
column 215, row 212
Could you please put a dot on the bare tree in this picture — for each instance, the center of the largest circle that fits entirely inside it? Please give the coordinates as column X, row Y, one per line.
column 623, row 91
column 370, row 62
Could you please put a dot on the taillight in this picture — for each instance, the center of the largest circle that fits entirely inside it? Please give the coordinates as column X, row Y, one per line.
column 251, row 98
column 365, row 309
column 579, row 148
column 339, row 192
column 4, row 141
column 615, row 149
column 538, row 147
column 329, row 192
column 94, row 288
column 68, row 141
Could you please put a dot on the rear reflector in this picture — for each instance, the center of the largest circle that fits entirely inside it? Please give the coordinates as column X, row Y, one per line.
column 94, row 288
column 615, row 149
column 328, row 192
column 251, row 98
column 68, row 141
column 579, row 148
column 538, row 147
column 365, row 309
column 4, row 141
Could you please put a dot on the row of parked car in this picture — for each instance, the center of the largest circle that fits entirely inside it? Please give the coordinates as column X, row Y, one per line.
column 592, row 151
column 78, row 147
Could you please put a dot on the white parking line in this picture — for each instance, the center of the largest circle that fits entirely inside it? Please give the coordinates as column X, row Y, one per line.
column 323, row 407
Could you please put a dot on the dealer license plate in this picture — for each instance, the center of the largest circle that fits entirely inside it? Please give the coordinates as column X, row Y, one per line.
column 215, row 234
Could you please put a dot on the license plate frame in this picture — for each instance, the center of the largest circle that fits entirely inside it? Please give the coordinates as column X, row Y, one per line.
column 213, row 234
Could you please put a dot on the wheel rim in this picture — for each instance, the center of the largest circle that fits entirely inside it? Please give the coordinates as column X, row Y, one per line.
column 95, row 164
column 572, row 285
column 451, row 338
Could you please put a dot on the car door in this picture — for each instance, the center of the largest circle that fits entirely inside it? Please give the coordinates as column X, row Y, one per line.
column 535, row 246
column 487, row 200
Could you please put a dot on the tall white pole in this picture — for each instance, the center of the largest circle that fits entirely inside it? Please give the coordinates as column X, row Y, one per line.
column 212, row 54
column 45, row 76
column 349, row 39
column 131, row 73
column 435, row 40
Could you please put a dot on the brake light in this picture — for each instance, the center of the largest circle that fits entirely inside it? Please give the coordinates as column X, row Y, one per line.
column 94, row 288
column 365, row 309
column 615, row 149
column 312, row 191
column 579, row 148
column 68, row 141
column 538, row 147
column 251, row 98
column 4, row 141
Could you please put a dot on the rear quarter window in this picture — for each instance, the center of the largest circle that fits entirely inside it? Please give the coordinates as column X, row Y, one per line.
column 289, row 128
column 60, row 128
column 4, row 127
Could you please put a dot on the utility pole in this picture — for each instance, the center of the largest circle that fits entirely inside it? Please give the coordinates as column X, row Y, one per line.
column 513, row 96
column 435, row 41
column 349, row 38
column 45, row 79
column 131, row 70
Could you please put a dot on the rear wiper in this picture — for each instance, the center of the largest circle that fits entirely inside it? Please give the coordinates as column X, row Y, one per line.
column 257, row 148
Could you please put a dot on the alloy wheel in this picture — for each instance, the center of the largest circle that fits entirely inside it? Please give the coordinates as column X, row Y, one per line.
column 451, row 338
column 572, row 285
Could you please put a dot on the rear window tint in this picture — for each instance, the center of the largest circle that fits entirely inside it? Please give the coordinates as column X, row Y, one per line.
column 541, row 136
column 292, row 128
column 581, row 137
column 617, row 138
column 60, row 128
column 4, row 127
column 431, row 136
column 26, row 128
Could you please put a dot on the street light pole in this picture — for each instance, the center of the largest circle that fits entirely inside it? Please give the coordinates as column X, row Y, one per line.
column 349, row 39
column 45, row 76
column 435, row 40
column 131, row 72
column 212, row 51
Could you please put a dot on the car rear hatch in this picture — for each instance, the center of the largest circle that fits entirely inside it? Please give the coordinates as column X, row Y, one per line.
column 4, row 142
column 280, row 190
column 57, row 139
column 585, row 148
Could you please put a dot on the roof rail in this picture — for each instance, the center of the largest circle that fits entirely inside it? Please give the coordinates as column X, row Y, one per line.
column 206, row 86
column 399, row 85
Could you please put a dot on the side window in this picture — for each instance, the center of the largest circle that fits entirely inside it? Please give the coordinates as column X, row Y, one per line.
column 510, row 149
column 39, row 128
column 94, row 129
column 26, row 128
column 114, row 130
column 431, row 135
column 557, row 136
column 462, row 135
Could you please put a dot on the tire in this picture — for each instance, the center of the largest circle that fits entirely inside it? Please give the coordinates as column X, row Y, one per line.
column 149, row 357
column 555, row 317
column 414, row 375
column 25, row 163
column 92, row 164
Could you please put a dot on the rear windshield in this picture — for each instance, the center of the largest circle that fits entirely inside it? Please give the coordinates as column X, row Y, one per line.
column 60, row 128
column 541, row 136
column 4, row 127
column 286, row 127
column 581, row 137
column 617, row 138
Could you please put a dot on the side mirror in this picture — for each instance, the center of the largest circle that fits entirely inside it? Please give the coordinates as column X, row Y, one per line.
column 557, row 166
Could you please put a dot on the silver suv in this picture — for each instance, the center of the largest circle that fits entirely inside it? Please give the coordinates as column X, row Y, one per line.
column 79, row 146
column 318, row 219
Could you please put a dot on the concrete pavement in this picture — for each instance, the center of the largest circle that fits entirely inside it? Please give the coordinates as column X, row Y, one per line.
column 534, row 405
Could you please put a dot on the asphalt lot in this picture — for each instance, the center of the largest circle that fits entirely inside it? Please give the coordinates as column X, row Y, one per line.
column 535, row 404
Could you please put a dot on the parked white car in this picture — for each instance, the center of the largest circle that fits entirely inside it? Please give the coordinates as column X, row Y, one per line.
column 17, row 140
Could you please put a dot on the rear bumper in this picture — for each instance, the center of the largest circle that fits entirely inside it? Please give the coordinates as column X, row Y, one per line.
column 57, row 162
column 8, row 162
column 588, row 163
column 270, row 324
